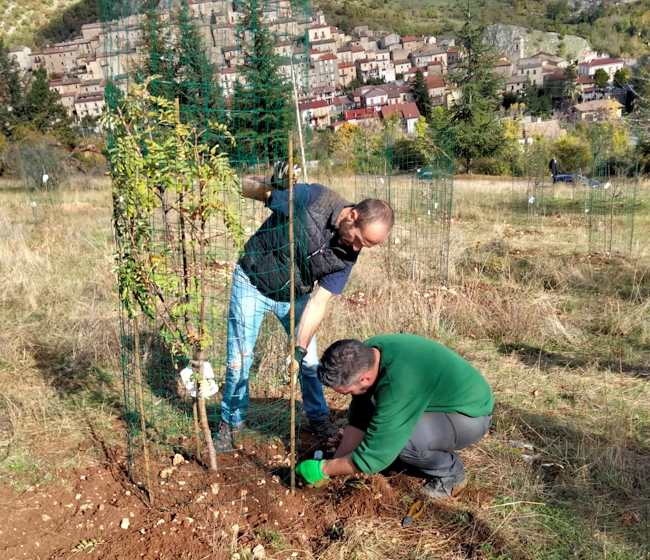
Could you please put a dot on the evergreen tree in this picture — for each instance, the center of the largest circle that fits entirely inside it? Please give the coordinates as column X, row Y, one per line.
column 261, row 111
column 538, row 103
column 475, row 124
column 421, row 94
column 601, row 78
column 570, row 83
column 181, row 63
column 640, row 117
column 197, row 86
column 11, row 91
column 622, row 77
column 43, row 108
column 159, row 59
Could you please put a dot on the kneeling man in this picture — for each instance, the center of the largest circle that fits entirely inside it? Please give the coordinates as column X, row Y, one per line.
column 413, row 400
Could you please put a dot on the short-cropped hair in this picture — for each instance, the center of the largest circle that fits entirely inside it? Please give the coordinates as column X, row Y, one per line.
column 343, row 361
column 373, row 210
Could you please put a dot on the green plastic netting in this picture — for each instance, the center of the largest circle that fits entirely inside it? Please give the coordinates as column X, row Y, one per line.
column 245, row 66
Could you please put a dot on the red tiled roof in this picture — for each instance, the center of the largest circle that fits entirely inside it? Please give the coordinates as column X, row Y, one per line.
column 435, row 81
column 328, row 56
column 405, row 110
column 604, row 61
column 409, row 38
column 312, row 105
column 410, row 110
column 359, row 114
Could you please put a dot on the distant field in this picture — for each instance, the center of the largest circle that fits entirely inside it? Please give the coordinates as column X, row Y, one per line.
column 562, row 334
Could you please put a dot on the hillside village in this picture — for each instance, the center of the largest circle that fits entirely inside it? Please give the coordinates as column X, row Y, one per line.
column 358, row 78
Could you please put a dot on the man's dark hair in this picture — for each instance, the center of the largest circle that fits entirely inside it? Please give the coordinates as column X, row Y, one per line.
column 374, row 210
column 343, row 361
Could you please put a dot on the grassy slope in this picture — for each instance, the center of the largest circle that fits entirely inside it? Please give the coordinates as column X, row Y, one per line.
column 564, row 341
column 616, row 30
column 610, row 32
column 29, row 22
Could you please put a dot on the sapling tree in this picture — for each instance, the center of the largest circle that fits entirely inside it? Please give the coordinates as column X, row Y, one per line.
column 164, row 174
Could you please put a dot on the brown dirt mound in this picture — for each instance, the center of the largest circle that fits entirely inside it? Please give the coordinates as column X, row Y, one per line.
column 197, row 514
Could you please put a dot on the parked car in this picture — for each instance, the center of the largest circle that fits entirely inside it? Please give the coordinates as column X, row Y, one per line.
column 577, row 179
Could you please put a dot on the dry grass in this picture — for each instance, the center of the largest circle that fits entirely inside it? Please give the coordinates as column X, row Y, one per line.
column 56, row 300
column 563, row 336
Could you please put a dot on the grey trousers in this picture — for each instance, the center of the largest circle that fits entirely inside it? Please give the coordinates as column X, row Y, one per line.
column 435, row 438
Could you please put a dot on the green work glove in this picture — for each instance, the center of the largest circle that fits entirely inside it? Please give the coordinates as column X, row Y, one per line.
column 311, row 472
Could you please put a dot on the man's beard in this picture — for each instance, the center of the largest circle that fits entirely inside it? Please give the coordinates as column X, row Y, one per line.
column 344, row 230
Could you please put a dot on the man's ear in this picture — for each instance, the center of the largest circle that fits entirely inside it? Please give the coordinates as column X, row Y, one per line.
column 354, row 214
column 366, row 377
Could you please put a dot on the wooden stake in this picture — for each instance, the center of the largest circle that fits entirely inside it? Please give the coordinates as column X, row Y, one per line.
column 197, row 417
column 139, row 395
column 292, row 316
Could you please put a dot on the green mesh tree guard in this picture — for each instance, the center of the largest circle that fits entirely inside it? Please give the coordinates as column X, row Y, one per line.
column 419, row 186
column 230, row 64
column 596, row 205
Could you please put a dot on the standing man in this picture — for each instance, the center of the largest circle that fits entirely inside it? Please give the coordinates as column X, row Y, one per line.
column 552, row 165
column 412, row 399
column 330, row 232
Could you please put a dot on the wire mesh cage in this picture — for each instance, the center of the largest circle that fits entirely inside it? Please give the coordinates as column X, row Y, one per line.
column 597, row 206
column 418, row 248
column 218, row 87
column 611, row 201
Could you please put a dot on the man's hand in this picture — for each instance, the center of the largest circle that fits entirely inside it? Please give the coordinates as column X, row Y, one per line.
column 256, row 187
column 312, row 473
column 294, row 362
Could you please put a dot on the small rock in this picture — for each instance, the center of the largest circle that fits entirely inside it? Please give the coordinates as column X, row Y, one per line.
column 125, row 523
column 235, row 556
column 167, row 472
column 214, row 487
column 259, row 553
column 200, row 498
column 178, row 460
column 77, row 497
column 128, row 492
column 160, row 522
column 45, row 517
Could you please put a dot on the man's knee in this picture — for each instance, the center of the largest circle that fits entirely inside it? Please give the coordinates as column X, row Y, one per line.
column 239, row 361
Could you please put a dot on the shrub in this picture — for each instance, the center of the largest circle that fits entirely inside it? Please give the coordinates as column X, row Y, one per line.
column 38, row 163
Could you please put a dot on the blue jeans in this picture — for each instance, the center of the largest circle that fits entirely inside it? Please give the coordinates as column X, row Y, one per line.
column 247, row 310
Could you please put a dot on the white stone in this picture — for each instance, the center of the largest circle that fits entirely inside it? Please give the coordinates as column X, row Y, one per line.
column 178, row 460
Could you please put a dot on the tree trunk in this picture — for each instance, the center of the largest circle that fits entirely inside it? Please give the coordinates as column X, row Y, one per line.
column 197, row 365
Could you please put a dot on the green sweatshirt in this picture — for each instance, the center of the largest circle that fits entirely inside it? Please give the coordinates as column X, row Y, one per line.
column 416, row 375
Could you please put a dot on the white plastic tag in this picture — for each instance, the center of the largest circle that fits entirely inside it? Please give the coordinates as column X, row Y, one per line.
column 209, row 386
